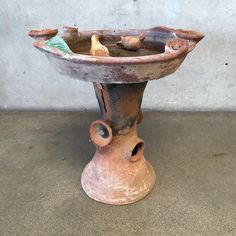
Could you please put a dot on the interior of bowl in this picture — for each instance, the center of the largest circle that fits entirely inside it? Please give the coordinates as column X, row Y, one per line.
column 110, row 41
column 154, row 43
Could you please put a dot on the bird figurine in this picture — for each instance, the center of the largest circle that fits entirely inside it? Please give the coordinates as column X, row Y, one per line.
column 132, row 43
column 97, row 49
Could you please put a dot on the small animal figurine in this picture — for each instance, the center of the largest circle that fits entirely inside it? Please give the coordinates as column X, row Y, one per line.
column 132, row 43
column 97, row 49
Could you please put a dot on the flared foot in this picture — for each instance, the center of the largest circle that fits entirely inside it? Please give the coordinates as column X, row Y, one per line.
column 127, row 183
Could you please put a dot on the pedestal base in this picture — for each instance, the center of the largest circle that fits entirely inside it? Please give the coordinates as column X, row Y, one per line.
column 118, row 173
column 124, row 185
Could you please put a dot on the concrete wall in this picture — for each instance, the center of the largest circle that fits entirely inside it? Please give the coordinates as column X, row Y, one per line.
column 205, row 81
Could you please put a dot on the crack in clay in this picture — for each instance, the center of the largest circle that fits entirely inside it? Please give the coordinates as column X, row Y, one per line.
column 103, row 99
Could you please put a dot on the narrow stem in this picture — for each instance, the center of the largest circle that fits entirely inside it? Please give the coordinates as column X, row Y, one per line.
column 120, row 104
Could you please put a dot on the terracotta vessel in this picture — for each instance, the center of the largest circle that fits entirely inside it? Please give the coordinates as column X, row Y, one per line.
column 118, row 173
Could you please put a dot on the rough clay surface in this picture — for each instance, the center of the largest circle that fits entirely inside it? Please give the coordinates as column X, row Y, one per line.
column 42, row 156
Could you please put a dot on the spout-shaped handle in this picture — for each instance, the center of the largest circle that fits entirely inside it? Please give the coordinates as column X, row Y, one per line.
column 180, row 33
column 44, row 34
column 189, row 35
column 169, row 34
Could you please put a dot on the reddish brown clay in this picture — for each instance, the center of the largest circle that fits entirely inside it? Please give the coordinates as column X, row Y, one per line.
column 43, row 34
column 118, row 173
column 131, row 42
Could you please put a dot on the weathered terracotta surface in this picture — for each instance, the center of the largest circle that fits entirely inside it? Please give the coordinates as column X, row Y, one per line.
column 120, row 104
column 129, row 69
column 43, row 34
column 118, row 173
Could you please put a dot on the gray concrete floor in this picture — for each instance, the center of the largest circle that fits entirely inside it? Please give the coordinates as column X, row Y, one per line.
column 42, row 156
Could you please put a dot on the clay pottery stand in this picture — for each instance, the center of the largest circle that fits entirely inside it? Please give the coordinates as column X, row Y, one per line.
column 118, row 172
